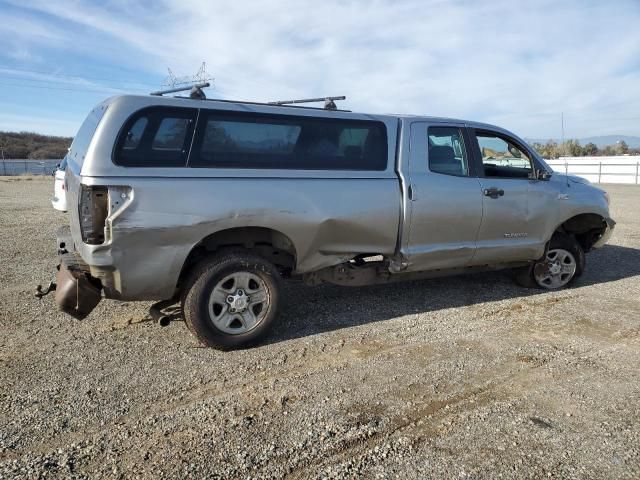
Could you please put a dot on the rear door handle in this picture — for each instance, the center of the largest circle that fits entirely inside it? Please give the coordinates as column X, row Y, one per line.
column 493, row 192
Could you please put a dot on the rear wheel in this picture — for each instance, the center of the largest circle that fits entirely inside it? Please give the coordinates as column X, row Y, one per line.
column 231, row 300
column 562, row 263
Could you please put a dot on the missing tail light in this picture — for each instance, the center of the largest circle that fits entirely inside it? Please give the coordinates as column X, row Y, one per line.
column 93, row 209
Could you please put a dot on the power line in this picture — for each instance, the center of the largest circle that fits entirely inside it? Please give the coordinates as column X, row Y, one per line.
column 65, row 82
column 66, row 75
column 75, row 89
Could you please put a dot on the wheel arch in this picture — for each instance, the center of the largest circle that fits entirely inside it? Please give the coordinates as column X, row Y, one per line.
column 586, row 228
column 269, row 243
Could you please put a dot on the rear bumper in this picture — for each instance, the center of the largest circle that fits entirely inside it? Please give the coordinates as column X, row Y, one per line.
column 77, row 292
column 59, row 204
column 611, row 224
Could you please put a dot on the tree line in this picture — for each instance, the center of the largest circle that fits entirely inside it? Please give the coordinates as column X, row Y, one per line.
column 30, row 145
column 572, row 148
column 38, row 147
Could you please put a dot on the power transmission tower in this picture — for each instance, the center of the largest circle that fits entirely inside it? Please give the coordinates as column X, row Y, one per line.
column 201, row 76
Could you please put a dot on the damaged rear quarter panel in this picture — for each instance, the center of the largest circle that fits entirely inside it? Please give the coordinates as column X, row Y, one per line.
column 328, row 215
column 328, row 221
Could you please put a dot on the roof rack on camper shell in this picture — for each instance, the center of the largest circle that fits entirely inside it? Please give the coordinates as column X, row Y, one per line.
column 329, row 102
column 196, row 93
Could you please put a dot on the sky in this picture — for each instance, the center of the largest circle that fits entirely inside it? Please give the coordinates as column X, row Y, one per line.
column 517, row 64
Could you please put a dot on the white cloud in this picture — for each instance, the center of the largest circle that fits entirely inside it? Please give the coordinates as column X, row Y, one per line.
column 59, row 80
column 518, row 64
column 27, row 28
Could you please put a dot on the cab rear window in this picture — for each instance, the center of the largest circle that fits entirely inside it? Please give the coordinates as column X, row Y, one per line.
column 156, row 137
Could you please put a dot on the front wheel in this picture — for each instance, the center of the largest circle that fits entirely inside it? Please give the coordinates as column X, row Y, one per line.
column 231, row 300
column 562, row 263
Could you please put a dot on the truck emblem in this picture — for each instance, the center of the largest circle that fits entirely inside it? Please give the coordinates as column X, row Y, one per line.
column 516, row 235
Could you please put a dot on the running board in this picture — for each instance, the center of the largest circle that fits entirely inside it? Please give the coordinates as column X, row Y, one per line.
column 375, row 273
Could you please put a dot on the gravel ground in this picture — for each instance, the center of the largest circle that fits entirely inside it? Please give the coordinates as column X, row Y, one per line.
column 466, row 377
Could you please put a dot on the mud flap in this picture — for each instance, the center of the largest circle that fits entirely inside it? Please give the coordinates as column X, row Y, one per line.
column 76, row 295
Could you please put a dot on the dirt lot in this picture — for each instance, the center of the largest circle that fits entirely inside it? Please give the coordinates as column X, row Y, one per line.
column 468, row 377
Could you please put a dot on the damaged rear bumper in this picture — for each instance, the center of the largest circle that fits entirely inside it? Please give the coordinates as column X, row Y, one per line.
column 77, row 293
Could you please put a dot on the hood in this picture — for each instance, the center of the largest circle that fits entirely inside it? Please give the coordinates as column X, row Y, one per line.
column 576, row 179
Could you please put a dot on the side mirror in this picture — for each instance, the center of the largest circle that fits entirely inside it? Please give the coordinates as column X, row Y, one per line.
column 539, row 174
column 515, row 153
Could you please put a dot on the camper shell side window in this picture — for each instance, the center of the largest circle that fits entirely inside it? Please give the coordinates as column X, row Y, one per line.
column 156, row 137
column 268, row 141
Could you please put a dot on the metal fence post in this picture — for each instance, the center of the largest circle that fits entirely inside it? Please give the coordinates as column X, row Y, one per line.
column 599, row 172
column 637, row 169
column 4, row 168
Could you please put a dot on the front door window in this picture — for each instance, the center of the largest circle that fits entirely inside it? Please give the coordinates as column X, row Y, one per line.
column 502, row 158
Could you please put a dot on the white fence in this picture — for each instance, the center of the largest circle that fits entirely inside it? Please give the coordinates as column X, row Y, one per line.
column 619, row 169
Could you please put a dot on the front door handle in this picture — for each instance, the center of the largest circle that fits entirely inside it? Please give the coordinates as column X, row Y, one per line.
column 493, row 192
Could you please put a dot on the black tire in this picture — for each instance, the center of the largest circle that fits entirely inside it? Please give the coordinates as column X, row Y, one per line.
column 525, row 276
column 201, row 283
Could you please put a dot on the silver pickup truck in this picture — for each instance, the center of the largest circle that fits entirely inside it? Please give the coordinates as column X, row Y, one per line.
column 212, row 203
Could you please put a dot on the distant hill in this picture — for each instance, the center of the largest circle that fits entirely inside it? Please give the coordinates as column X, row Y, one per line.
column 21, row 145
column 600, row 141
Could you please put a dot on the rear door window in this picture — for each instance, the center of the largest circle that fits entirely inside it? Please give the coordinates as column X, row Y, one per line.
column 156, row 137
column 446, row 151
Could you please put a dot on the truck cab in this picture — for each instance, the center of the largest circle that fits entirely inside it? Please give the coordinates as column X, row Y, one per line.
column 479, row 195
